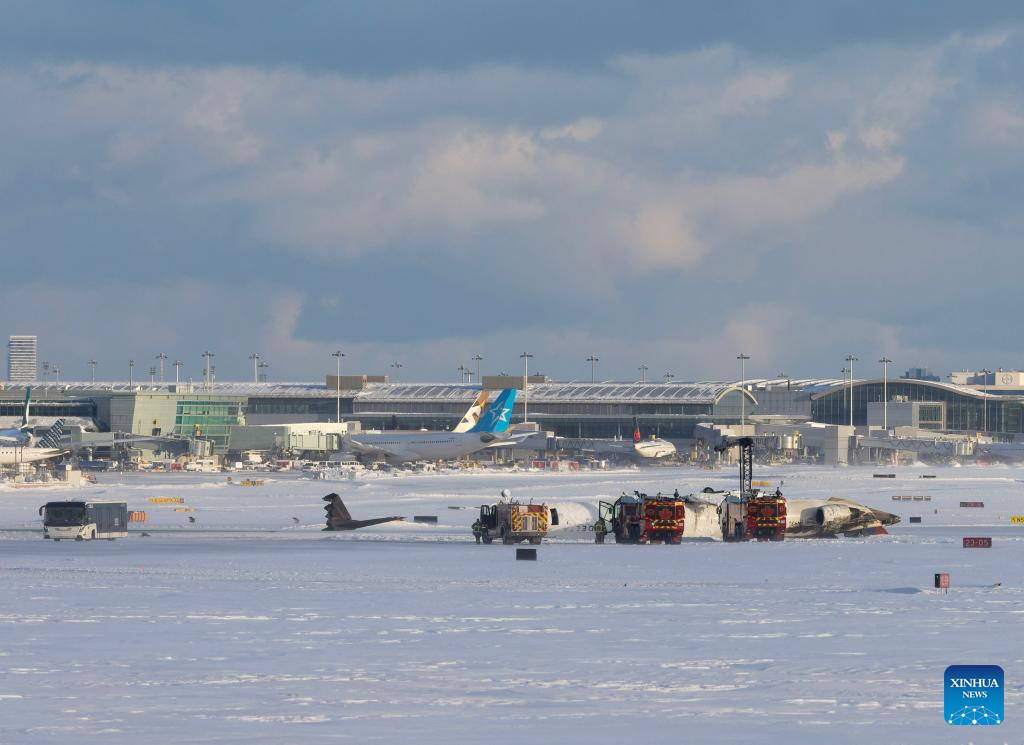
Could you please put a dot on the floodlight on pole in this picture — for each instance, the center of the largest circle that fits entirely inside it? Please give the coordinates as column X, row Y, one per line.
column 92, row 363
column 177, row 371
column 668, row 377
column 396, row 366
column 525, row 356
column 885, row 361
column 263, row 375
column 161, row 357
column 743, row 387
column 152, row 375
column 643, row 372
column 851, row 359
column 337, row 355
column 255, row 369
column 476, row 359
column 207, row 355
column 131, row 370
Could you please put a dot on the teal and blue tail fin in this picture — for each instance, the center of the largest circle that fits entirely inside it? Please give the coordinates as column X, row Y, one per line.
column 499, row 414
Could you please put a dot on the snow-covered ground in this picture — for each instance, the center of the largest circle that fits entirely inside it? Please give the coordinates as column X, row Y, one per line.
column 251, row 625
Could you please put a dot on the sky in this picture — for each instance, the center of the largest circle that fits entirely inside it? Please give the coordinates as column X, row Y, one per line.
column 657, row 184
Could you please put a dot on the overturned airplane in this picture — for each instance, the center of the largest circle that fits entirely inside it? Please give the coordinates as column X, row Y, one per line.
column 339, row 518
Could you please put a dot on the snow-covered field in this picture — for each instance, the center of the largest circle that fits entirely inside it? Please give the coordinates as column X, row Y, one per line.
column 251, row 625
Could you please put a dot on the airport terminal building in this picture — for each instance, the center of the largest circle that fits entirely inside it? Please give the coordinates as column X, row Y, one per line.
column 669, row 410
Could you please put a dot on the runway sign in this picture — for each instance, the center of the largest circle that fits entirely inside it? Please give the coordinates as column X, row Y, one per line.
column 167, row 500
column 972, row 504
column 977, row 542
column 1017, row 519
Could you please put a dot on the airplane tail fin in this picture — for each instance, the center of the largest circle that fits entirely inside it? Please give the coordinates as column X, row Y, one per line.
column 53, row 437
column 499, row 414
column 337, row 512
column 24, row 414
column 472, row 416
column 636, row 430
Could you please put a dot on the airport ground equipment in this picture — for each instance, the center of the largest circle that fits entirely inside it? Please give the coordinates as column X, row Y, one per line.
column 339, row 518
column 514, row 522
column 639, row 518
column 85, row 520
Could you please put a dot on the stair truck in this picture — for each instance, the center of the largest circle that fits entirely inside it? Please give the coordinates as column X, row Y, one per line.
column 514, row 522
column 85, row 521
column 639, row 518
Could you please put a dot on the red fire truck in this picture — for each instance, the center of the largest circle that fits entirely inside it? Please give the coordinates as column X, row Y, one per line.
column 639, row 518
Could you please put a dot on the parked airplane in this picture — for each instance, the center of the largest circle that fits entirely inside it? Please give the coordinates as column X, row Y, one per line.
column 401, row 447
column 22, row 435
column 652, row 448
column 46, row 447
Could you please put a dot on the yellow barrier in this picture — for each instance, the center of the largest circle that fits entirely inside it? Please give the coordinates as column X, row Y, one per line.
column 251, row 482
column 136, row 517
column 184, row 509
column 1017, row 519
column 167, row 500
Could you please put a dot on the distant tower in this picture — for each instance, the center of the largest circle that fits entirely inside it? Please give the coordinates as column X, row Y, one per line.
column 21, row 359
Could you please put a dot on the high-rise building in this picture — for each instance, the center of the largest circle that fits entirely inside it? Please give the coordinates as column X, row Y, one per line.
column 21, row 359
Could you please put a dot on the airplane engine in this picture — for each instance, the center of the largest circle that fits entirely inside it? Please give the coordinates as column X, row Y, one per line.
column 833, row 517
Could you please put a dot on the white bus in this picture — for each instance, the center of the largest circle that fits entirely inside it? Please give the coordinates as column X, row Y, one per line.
column 85, row 521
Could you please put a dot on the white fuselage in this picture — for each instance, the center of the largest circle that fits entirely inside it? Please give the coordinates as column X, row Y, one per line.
column 654, row 448
column 12, row 455
column 402, row 447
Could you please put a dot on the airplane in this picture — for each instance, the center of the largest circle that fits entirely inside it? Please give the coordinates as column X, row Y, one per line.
column 402, row 447
column 22, row 435
column 46, row 447
column 339, row 518
column 709, row 514
column 652, row 448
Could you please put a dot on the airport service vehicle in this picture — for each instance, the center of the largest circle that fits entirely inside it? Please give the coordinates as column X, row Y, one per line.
column 515, row 522
column 639, row 518
column 85, row 521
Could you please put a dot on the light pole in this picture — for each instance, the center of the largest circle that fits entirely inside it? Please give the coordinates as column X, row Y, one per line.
column 668, row 377
column 743, row 388
column 263, row 366
column 476, row 359
column 56, row 374
column 593, row 360
column 46, row 371
column 131, row 371
column 337, row 355
column 177, row 371
column 461, row 369
column 643, row 372
column 851, row 359
column 255, row 370
column 844, row 371
column 397, row 366
column 92, row 363
column 885, row 391
column 161, row 357
column 207, row 355
column 984, row 400
column 525, row 356
column 152, row 375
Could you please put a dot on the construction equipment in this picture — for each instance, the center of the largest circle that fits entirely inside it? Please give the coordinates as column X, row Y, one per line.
column 751, row 515
column 514, row 522
column 639, row 518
